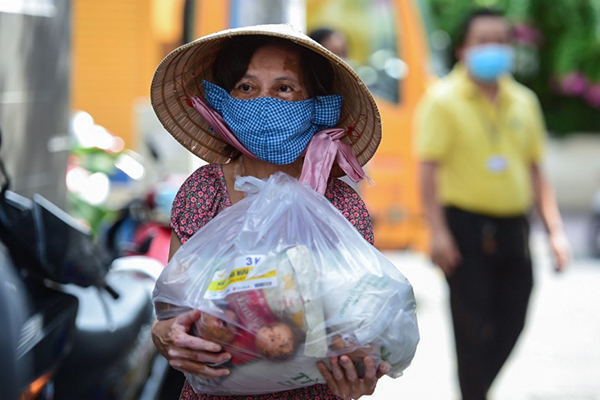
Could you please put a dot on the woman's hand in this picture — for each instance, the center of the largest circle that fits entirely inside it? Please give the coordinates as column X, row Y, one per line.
column 185, row 352
column 343, row 380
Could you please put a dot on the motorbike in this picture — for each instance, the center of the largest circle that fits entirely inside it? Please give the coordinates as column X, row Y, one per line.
column 77, row 324
column 142, row 229
column 142, row 226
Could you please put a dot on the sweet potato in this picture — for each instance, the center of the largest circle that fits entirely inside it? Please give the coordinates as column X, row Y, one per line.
column 217, row 330
column 275, row 341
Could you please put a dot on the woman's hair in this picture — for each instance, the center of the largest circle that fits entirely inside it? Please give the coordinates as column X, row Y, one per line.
column 232, row 63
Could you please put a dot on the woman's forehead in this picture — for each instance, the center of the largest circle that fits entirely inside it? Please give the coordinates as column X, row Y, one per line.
column 273, row 56
column 277, row 51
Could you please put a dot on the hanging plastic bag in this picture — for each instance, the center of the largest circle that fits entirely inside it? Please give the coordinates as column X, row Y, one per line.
column 283, row 280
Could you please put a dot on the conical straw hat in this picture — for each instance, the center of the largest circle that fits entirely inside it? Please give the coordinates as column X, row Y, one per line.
column 181, row 72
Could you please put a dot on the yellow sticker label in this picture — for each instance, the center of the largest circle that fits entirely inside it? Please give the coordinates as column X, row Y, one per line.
column 240, row 279
column 238, row 275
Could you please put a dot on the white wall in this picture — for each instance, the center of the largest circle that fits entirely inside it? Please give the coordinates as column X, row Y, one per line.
column 573, row 166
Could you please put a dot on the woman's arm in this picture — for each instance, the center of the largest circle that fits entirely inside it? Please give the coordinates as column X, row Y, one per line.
column 185, row 352
column 174, row 245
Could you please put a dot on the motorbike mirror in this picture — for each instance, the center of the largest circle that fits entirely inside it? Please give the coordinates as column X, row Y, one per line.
column 5, row 180
column 153, row 150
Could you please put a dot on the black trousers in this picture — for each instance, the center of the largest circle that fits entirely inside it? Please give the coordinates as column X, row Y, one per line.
column 489, row 294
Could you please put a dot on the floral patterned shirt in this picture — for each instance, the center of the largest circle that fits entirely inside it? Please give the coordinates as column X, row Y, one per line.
column 203, row 195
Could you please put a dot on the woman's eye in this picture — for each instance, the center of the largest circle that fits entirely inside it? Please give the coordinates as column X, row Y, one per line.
column 285, row 89
column 244, row 87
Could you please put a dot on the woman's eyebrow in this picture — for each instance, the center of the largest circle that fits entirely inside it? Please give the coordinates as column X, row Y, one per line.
column 287, row 79
column 283, row 78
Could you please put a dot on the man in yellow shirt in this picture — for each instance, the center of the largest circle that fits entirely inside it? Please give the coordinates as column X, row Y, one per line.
column 480, row 139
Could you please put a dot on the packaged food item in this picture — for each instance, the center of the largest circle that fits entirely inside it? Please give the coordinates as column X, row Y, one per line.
column 283, row 280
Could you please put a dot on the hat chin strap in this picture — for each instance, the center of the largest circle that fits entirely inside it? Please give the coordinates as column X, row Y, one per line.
column 324, row 148
column 218, row 124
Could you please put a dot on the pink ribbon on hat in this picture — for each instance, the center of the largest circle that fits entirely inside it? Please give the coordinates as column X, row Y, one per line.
column 324, row 148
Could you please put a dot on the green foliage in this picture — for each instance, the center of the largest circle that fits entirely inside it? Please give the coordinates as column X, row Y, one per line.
column 559, row 53
column 94, row 215
column 92, row 160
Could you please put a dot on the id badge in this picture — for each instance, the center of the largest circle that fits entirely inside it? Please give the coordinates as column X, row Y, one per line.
column 497, row 164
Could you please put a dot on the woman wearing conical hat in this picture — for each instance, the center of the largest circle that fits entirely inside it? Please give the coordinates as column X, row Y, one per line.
column 256, row 101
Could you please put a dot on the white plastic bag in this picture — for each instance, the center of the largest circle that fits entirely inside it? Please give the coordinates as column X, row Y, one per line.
column 284, row 280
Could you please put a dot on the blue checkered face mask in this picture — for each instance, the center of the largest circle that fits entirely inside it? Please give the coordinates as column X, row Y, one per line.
column 274, row 130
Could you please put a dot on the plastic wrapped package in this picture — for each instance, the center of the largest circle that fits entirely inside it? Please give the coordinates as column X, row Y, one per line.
column 283, row 280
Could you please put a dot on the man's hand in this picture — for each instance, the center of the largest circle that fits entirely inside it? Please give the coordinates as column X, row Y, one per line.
column 545, row 202
column 444, row 252
column 561, row 250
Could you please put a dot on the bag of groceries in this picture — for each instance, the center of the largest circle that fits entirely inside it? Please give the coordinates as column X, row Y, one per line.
column 283, row 280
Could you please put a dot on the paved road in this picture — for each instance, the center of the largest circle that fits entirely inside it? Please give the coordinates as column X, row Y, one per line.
column 557, row 357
